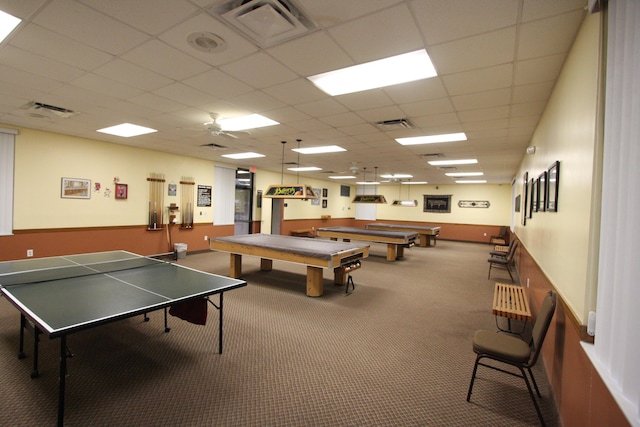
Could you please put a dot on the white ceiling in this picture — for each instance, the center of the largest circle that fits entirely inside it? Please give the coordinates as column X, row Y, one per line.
column 116, row 61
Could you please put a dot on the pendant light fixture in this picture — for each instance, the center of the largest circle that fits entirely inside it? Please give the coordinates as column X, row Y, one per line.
column 408, row 202
column 369, row 198
column 289, row 191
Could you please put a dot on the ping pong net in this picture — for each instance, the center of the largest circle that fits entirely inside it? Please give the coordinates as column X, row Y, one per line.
column 77, row 270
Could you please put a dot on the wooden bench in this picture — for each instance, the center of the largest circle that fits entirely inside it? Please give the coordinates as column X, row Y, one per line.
column 511, row 302
column 306, row 232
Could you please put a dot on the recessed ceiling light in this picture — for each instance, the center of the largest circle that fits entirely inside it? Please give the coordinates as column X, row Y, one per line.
column 342, row 177
column 414, row 182
column 432, row 139
column 127, row 130
column 453, row 162
column 238, row 156
column 403, row 68
column 471, row 181
column 8, row 23
column 319, row 150
column 251, row 121
column 368, row 183
column 304, row 169
column 459, row 174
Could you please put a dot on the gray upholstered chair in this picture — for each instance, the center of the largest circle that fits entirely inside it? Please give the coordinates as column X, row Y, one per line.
column 514, row 351
column 502, row 261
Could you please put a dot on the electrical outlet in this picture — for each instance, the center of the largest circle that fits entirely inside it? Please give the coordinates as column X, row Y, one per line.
column 527, row 282
column 29, row 252
column 485, row 234
column 206, row 238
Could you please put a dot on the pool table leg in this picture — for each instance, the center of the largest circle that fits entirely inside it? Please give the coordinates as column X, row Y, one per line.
column 393, row 251
column 314, row 281
column 235, row 266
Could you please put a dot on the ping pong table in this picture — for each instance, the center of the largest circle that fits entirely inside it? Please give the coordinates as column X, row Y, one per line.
column 61, row 295
column 396, row 241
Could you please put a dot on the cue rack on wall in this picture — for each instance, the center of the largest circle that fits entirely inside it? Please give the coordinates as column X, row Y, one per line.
column 156, row 201
column 187, row 186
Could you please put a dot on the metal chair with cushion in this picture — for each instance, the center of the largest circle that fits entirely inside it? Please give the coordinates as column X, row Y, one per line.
column 503, row 261
column 514, row 351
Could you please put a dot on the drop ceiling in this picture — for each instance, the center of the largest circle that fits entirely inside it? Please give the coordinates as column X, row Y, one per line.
column 114, row 61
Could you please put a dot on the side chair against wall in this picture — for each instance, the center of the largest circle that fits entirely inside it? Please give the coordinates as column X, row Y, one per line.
column 501, row 237
column 502, row 250
column 514, row 351
column 503, row 261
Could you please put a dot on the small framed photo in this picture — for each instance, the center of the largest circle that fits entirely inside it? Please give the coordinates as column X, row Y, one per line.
column 122, row 191
column 325, row 192
column 75, row 188
column 324, row 203
column 542, row 192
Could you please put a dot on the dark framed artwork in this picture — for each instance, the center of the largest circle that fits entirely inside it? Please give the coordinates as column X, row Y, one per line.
column 324, row 203
column 553, row 184
column 345, row 191
column 542, row 192
column 325, row 192
column 532, row 200
column 437, row 203
column 122, row 191
column 535, row 194
column 517, row 203
column 525, row 197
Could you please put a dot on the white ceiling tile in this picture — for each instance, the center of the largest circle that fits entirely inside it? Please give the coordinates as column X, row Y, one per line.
column 259, row 71
column 49, row 44
column 532, row 92
column 538, row 70
column 332, row 12
column 184, row 94
column 528, row 109
column 488, row 99
column 257, row 101
column 24, row 80
column 45, row 67
column 151, row 16
column 371, row 37
column 159, row 103
column 432, row 106
column 345, row 119
column 108, row 87
column 131, row 74
column 296, row 92
column 472, row 17
column 373, row 115
column 416, row 91
column 481, row 80
column 537, row 9
column 548, row 36
column 219, row 84
column 323, row 107
column 501, row 112
column 367, row 99
column 163, row 59
column 90, row 27
column 312, row 54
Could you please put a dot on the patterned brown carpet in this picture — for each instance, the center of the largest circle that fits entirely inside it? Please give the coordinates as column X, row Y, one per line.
column 396, row 352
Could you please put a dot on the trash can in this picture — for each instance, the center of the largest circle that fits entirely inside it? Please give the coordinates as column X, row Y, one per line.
column 181, row 250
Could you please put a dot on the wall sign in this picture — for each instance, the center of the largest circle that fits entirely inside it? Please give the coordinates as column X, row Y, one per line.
column 474, row 204
column 204, row 195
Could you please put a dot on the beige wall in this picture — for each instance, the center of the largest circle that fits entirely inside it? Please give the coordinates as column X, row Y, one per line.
column 43, row 158
column 561, row 243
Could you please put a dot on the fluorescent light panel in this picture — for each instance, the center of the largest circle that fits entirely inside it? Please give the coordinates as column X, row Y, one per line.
column 239, row 156
column 368, row 183
column 396, row 176
column 453, row 162
column 251, row 121
column 342, row 177
column 127, row 130
column 304, row 169
column 390, row 71
column 8, row 23
column 471, row 181
column 319, row 150
column 461, row 174
column 414, row 182
column 432, row 139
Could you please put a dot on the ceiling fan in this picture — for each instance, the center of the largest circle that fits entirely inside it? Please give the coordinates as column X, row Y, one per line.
column 214, row 129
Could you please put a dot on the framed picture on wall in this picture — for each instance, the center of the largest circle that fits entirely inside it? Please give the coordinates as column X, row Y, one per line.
column 75, row 188
column 122, row 191
column 542, row 192
column 553, row 184
column 535, row 194
column 532, row 199
column 525, row 197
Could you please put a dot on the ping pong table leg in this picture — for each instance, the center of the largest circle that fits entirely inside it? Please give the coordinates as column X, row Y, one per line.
column 23, row 325
column 220, row 325
column 62, row 379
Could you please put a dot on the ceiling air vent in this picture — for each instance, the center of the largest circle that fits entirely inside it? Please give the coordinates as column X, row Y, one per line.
column 395, row 124
column 267, row 22
column 432, row 155
column 40, row 110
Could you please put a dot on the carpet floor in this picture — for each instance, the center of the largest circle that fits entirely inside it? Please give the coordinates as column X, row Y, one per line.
column 394, row 352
